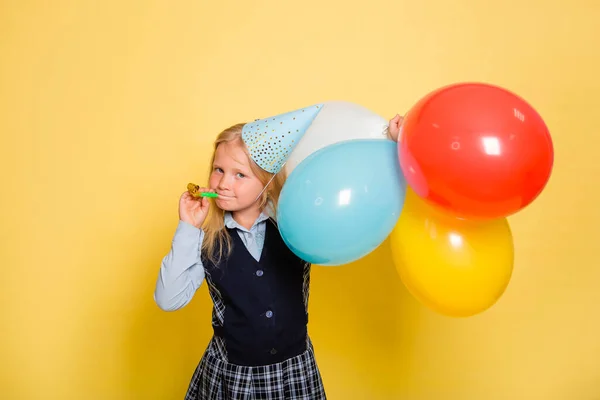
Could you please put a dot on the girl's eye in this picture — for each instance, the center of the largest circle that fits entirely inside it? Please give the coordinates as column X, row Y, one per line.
column 240, row 175
column 219, row 170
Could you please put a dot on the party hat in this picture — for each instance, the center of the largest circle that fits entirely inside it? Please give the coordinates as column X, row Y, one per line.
column 270, row 141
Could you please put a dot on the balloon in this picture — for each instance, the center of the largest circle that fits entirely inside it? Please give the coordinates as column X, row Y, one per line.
column 342, row 202
column 476, row 150
column 337, row 121
column 455, row 267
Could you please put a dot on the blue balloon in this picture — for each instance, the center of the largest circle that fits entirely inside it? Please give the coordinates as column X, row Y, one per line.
column 341, row 202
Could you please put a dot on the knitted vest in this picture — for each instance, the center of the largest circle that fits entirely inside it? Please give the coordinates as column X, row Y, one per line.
column 262, row 315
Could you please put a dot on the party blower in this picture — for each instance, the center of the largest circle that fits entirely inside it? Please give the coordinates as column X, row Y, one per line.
column 195, row 191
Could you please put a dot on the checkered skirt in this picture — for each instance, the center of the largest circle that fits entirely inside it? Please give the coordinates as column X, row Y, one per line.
column 297, row 378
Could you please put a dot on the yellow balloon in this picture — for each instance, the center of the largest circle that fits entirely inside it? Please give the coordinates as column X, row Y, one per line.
column 456, row 267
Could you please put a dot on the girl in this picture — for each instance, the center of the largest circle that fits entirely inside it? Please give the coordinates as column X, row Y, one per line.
column 260, row 348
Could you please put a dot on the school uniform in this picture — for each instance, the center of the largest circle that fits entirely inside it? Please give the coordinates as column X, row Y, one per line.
column 260, row 348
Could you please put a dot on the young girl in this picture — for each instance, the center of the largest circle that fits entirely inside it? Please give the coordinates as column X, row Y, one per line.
column 260, row 348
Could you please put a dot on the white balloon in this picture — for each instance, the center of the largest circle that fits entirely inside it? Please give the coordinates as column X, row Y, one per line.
column 336, row 122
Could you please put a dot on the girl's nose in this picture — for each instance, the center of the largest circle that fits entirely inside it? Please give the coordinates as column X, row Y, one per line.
column 224, row 182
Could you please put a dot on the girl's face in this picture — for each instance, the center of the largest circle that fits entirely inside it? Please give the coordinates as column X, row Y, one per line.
column 232, row 178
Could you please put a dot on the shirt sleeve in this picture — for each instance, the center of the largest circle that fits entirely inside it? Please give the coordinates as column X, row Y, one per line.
column 181, row 271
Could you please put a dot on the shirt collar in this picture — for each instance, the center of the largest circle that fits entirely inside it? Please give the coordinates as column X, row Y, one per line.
column 232, row 223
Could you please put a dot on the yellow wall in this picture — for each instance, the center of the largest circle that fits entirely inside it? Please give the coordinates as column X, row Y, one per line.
column 107, row 110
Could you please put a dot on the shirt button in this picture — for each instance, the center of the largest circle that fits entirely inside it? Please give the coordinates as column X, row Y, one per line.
column 273, row 351
column 259, row 272
column 269, row 314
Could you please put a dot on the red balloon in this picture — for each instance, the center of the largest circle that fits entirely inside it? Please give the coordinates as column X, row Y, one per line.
column 476, row 150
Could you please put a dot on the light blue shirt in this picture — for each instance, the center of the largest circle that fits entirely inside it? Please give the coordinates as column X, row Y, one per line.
column 181, row 271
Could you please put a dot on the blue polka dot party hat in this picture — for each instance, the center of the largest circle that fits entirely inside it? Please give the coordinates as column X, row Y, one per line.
column 270, row 141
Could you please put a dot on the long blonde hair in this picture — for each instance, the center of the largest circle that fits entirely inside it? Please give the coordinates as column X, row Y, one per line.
column 217, row 241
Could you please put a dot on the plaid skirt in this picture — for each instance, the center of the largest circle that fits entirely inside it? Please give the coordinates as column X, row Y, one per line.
column 297, row 378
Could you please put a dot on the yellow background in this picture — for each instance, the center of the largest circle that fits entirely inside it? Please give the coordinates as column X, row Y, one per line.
column 107, row 110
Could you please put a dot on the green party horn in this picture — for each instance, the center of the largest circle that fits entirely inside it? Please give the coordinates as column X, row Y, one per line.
column 193, row 189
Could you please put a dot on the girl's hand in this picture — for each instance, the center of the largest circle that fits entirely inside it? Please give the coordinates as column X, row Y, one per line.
column 394, row 127
column 194, row 210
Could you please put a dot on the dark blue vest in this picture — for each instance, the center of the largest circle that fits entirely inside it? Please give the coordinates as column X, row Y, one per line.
column 265, row 318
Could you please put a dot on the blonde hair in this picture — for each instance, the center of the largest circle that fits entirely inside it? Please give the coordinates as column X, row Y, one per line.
column 217, row 241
